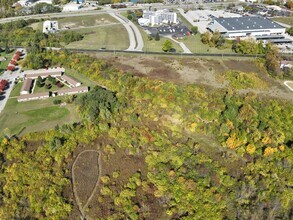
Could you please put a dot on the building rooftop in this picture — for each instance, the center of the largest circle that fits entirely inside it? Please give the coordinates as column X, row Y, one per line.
column 43, row 75
column 75, row 89
column 27, row 85
column 34, row 95
column 70, row 79
column 247, row 23
column 48, row 71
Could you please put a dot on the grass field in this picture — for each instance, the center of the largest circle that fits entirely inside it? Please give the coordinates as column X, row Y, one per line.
column 195, row 45
column 16, row 90
column 85, row 21
column 153, row 45
column 44, row 89
column 24, row 117
column 4, row 64
column 20, row 118
column 112, row 37
column 285, row 20
column 100, row 31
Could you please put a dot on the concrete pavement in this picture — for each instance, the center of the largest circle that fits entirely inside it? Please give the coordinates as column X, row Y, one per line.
column 181, row 44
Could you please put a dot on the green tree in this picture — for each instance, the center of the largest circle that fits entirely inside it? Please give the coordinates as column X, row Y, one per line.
column 157, row 37
column 290, row 31
column 167, row 45
column 194, row 30
column 205, row 37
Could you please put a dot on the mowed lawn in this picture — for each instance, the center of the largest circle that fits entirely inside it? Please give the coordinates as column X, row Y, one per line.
column 285, row 20
column 24, row 117
column 85, row 21
column 156, row 46
column 195, row 45
column 112, row 37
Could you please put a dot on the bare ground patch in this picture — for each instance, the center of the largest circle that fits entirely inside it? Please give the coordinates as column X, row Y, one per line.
column 201, row 71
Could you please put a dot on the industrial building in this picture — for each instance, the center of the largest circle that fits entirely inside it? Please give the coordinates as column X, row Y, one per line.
column 232, row 28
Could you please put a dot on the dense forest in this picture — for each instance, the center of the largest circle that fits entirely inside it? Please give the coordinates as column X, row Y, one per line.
column 203, row 153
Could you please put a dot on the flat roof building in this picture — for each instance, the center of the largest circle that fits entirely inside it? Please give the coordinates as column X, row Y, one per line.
column 50, row 27
column 158, row 17
column 246, row 27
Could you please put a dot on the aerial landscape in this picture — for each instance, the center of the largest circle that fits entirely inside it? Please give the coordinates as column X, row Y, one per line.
column 146, row 109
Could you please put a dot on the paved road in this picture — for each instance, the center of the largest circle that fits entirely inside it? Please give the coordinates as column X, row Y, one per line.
column 135, row 38
column 181, row 44
column 131, row 36
column 107, row 9
column 10, row 76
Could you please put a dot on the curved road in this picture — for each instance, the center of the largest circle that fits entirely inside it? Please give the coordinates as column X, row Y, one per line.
column 135, row 38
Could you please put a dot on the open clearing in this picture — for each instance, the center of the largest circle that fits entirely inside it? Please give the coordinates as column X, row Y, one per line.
column 113, row 37
column 200, row 71
column 85, row 21
column 195, row 45
column 101, row 31
column 85, row 177
column 86, row 169
column 24, row 117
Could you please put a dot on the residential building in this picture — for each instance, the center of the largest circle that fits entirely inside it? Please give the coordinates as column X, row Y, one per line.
column 246, row 27
column 26, row 86
column 35, row 96
column 43, row 75
column 48, row 71
column 72, row 91
column 71, row 81
column 158, row 17
column 50, row 27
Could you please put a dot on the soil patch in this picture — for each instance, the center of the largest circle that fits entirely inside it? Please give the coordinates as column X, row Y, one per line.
column 86, row 172
column 241, row 65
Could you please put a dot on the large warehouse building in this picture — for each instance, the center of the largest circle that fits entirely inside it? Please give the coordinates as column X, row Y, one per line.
column 246, row 27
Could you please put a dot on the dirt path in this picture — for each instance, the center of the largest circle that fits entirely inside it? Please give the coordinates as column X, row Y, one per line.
column 81, row 207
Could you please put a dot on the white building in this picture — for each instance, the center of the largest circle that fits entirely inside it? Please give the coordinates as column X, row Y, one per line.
column 50, row 2
column 246, row 27
column 71, row 7
column 50, row 27
column 23, row 3
column 158, row 17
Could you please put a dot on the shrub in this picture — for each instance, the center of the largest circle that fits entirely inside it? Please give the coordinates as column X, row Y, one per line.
column 57, row 102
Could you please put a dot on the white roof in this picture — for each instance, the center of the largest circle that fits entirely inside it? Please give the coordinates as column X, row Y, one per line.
column 71, row 7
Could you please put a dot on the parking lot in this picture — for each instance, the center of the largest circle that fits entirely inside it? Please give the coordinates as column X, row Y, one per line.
column 177, row 30
column 201, row 18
